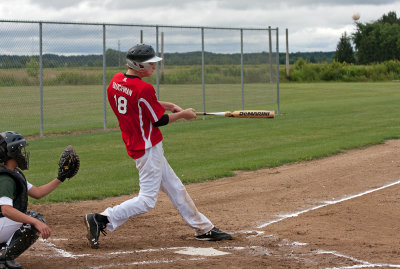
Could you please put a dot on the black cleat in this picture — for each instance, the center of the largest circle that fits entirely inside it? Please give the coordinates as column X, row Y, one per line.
column 11, row 264
column 94, row 227
column 214, row 235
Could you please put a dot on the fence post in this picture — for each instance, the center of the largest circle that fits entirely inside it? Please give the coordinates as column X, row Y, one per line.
column 41, row 76
column 270, row 54
column 202, row 71
column 277, row 70
column 287, row 55
column 104, row 78
column 157, row 67
column 162, row 56
column 241, row 66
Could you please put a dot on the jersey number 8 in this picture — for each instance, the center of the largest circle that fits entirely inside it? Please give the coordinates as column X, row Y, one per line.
column 121, row 104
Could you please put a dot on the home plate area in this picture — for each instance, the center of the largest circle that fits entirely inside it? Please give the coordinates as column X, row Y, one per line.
column 263, row 251
column 271, row 249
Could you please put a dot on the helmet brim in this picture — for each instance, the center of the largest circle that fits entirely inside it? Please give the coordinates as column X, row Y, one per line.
column 153, row 60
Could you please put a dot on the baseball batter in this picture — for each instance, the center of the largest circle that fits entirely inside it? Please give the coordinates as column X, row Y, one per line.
column 140, row 115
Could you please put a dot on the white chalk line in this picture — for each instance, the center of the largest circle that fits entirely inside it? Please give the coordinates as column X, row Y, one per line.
column 250, row 233
column 326, row 203
column 363, row 264
column 144, row 263
column 61, row 252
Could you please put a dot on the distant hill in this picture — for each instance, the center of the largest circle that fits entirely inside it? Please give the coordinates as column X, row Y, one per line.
column 115, row 58
column 192, row 58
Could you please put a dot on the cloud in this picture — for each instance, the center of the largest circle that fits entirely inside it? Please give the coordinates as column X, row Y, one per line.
column 225, row 4
column 313, row 25
column 56, row 5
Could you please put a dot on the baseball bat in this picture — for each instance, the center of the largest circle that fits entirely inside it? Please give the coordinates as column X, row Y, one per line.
column 259, row 114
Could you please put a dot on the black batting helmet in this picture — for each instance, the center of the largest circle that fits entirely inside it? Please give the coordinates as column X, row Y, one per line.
column 14, row 143
column 141, row 54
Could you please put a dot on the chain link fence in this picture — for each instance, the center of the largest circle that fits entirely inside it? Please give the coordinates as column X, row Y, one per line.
column 54, row 75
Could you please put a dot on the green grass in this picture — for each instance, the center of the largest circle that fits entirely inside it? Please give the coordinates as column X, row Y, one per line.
column 316, row 120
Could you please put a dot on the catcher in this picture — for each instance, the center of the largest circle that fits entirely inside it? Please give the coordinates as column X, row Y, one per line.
column 20, row 228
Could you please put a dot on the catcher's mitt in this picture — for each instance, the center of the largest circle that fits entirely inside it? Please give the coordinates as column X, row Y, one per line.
column 69, row 164
column 36, row 215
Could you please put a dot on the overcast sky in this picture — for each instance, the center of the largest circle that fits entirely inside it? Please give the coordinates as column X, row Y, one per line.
column 313, row 25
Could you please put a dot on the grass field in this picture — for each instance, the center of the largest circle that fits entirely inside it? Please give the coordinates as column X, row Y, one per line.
column 72, row 108
column 316, row 120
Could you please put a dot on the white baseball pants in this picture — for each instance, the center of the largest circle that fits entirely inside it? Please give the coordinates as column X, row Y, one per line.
column 7, row 229
column 154, row 174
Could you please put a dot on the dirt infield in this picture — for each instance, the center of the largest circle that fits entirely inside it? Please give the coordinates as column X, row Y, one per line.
column 336, row 212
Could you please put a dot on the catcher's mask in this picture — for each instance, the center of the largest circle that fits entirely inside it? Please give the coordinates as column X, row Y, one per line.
column 12, row 146
column 140, row 56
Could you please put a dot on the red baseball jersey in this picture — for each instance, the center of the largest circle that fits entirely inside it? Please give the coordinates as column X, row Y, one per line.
column 135, row 104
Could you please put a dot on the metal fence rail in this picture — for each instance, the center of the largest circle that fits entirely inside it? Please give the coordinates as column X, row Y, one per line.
column 49, row 70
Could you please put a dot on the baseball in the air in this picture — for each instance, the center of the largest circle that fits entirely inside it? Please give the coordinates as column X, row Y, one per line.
column 356, row 16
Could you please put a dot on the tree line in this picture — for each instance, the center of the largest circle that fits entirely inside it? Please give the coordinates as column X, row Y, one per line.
column 116, row 58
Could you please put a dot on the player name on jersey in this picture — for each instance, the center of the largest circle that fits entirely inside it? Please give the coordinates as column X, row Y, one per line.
column 121, row 88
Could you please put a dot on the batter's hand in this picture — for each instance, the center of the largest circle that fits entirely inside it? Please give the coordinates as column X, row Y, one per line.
column 171, row 107
column 189, row 114
column 176, row 109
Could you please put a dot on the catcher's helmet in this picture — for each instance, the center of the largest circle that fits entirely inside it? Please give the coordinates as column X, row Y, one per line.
column 14, row 143
column 140, row 55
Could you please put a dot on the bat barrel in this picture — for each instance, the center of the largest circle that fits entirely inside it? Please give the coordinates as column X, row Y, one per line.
column 252, row 114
